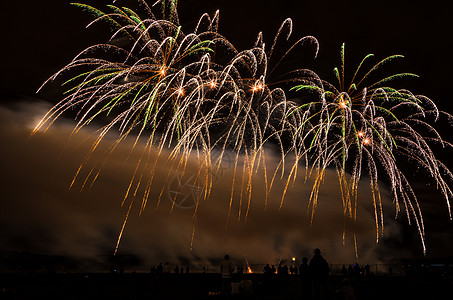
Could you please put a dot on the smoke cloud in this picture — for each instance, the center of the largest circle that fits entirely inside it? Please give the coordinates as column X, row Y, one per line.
column 40, row 213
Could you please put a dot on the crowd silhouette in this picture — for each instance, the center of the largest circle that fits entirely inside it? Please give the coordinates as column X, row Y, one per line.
column 313, row 275
column 311, row 279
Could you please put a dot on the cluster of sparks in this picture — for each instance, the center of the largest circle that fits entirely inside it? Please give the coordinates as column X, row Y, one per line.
column 193, row 92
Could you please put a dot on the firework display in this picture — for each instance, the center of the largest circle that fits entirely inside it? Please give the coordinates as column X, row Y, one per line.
column 194, row 93
column 371, row 129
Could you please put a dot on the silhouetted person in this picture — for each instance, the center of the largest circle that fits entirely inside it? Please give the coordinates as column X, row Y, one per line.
column 226, row 269
column 367, row 270
column 240, row 270
column 351, row 272
column 357, row 271
column 344, row 271
column 305, row 279
column 319, row 271
column 267, row 269
column 167, row 267
column 267, row 278
column 160, row 269
column 281, row 270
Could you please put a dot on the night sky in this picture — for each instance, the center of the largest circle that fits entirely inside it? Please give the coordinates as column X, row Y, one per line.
column 39, row 214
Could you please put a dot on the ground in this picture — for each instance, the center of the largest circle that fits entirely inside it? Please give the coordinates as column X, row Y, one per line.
column 206, row 286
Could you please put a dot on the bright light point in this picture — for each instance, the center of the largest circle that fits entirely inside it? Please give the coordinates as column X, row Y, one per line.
column 366, row 141
column 343, row 104
column 257, row 87
column 212, row 84
column 360, row 134
column 294, row 259
column 162, row 72
column 180, row 92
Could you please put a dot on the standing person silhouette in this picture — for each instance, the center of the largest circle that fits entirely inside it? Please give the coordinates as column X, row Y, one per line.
column 305, row 279
column 226, row 269
column 319, row 270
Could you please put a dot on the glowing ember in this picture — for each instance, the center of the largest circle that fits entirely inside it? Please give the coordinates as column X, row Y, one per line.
column 257, row 87
column 180, row 92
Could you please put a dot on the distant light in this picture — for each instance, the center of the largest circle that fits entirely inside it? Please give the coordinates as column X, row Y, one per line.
column 360, row 134
column 366, row 141
column 212, row 84
column 294, row 259
column 180, row 92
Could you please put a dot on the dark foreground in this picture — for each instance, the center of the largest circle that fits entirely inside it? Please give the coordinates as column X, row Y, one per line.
column 207, row 286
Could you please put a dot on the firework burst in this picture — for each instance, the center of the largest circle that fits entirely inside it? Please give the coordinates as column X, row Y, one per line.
column 193, row 92
column 165, row 87
column 371, row 129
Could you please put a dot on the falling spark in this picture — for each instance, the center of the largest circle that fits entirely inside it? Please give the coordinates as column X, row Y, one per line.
column 161, row 88
column 392, row 121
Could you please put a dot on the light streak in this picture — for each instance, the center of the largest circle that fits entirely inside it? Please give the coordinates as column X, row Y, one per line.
column 161, row 87
column 392, row 123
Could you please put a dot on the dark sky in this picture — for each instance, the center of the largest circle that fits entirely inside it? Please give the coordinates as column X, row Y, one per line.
column 42, row 36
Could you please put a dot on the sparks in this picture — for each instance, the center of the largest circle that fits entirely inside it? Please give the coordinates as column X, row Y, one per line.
column 316, row 132
column 212, row 84
column 258, row 86
column 394, row 117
